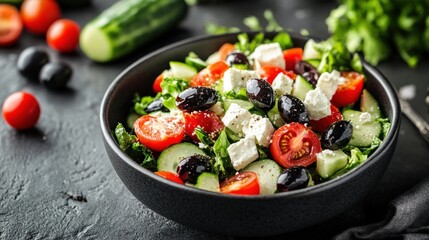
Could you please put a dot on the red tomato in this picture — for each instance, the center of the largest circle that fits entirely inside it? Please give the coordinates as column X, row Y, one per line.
column 292, row 56
column 21, row 110
column 224, row 50
column 169, row 176
column 206, row 120
column 209, row 75
column 63, row 35
column 270, row 73
column 294, row 145
column 244, row 183
column 38, row 15
column 322, row 124
column 157, row 84
column 158, row 133
column 349, row 92
column 11, row 25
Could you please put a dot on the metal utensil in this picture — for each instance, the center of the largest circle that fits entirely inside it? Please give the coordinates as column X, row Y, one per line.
column 415, row 118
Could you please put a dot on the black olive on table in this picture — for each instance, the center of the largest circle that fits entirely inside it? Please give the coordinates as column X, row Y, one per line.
column 31, row 61
column 260, row 93
column 56, row 75
column 337, row 136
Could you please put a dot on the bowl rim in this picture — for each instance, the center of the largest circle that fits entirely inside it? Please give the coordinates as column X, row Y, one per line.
column 375, row 156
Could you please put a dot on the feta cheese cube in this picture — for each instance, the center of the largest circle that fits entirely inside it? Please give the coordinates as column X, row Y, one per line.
column 235, row 79
column 236, row 118
column 260, row 128
column 328, row 83
column 282, row 84
column 242, row 153
column 217, row 109
column 317, row 105
column 270, row 54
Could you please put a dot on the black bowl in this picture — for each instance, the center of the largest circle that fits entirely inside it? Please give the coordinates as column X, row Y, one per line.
column 228, row 214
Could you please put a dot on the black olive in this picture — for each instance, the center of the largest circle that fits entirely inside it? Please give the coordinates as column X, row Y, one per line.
column 196, row 98
column 30, row 61
column 191, row 167
column 292, row 109
column 260, row 93
column 55, row 75
column 292, row 179
column 307, row 71
column 156, row 105
column 237, row 58
column 337, row 136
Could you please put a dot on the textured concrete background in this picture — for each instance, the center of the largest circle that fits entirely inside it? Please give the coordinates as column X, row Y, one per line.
column 57, row 183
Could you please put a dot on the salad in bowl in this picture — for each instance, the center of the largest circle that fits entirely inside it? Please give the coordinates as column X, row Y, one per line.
column 257, row 117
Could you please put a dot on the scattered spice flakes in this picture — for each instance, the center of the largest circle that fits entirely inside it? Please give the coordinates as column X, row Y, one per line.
column 75, row 197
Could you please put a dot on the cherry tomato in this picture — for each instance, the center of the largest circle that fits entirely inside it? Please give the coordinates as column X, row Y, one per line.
column 158, row 133
column 63, row 35
column 292, row 56
column 38, row 15
column 21, row 110
column 11, row 25
column 157, row 83
column 169, row 176
column 224, row 50
column 322, row 124
column 244, row 183
column 270, row 73
column 349, row 92
column 206, row 120
column 209, row 75
column 294, row 145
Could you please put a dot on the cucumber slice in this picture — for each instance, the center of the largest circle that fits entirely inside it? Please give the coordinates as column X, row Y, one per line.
column 268, row 172
column 310, row 51
column 208, row 181
column 364, row 130
column 314, row 62
column 169, row 158
column 329, row 162
column 193, row 60
column 369, row 104
column 275, row 117
column 182, row 70
column 301, row 87
column 242, row 103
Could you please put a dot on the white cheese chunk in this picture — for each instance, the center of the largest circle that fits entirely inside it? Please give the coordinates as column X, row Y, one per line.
column 317, row 105
column 260, row 128
column 282, row 84
column 328, row 83
column 236, row 118
column 270, row 54
column 235, row 79
column 242, row 153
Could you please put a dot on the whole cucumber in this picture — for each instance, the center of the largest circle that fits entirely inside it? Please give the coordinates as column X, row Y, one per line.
column 127, row 25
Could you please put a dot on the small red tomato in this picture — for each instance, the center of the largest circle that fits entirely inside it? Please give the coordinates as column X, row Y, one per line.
column 63, row 35
column 38, row 15
column 209, row 75
column 169, row 176
column 322, row 124
column 244, row 183
column 21, row 110
column 206, row 120
column 348, row 92
column 157, row 83
column 270, row 73
column 292, row 56
column 11, row 25
column 158, row 133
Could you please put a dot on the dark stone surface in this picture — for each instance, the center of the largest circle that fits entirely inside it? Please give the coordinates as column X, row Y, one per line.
column 57, row 183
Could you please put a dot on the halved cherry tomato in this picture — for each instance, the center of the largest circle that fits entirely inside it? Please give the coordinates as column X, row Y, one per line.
column 294, row 145
column 269, row 73
column 158, row 133
column 224, row 50
column 63, row 35
column 38, row 15
column 169, row 176
column 244, row 183
column 11, row 25
column 292, row 56
column 349, row 92
column 206, row 120
column 157, row 84
column 21, row 110
column 209, row 75
column 322, row 124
